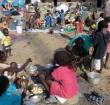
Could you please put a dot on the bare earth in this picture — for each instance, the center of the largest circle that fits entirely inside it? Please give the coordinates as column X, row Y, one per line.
column 41, row 46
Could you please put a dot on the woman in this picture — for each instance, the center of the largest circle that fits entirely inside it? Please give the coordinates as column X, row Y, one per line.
column 5, row 98
column 63, row 82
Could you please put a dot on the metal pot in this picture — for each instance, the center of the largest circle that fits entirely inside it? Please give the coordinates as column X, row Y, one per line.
column 93, row 77
column 31, row 69
column 35, row 98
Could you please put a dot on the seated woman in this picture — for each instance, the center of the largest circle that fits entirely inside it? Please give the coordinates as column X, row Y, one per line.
column 7, row 99
column 63, row 81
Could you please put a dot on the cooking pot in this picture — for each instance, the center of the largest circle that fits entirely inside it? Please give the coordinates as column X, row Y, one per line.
column 93, row 77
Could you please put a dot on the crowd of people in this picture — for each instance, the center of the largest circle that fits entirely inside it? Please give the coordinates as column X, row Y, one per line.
column 61, row 82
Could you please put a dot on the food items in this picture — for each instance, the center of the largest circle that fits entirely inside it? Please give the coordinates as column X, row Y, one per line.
column 37, row 90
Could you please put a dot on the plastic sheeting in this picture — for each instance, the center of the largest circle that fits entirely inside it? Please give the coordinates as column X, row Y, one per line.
column 62, row 6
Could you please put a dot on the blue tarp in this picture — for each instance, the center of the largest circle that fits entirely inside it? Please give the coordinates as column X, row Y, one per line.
column 20, row 3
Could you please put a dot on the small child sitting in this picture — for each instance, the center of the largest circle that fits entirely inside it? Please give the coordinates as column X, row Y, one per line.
column 6, row 42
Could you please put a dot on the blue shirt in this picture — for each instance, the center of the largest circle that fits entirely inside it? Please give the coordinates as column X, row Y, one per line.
column 47, row 19
column 62, row 16
column 7, row 99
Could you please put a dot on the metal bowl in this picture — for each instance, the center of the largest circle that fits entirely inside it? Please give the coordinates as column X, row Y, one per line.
column 93, row 77
column 36, row 98
column 31, row 69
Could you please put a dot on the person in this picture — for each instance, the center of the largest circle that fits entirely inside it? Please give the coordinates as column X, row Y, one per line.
column 99, row 44
column 63, row 81
column 62, row 16
column 2, row 56
column 2, row 59
column 6, row 42
column 108, row 45
column 38, row 22
column 5, row 98
column 79, row 25
column 14, row 67
column 47, row 20
column 55, row 3
column 99, row 3
column 107, row 8
column 85, row 43
column 99, row 19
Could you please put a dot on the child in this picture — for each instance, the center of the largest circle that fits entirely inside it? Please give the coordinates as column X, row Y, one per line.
column 47, row 20
column 62, row 17
column 6, row 42
column 38, row 22
column 79, row 25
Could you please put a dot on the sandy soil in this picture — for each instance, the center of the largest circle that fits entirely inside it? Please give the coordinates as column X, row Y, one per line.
column 41, row 46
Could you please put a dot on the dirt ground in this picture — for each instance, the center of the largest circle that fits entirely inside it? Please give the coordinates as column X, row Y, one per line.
column 41, row 46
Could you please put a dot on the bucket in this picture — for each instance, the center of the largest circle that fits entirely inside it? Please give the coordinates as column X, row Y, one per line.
column 19, row 29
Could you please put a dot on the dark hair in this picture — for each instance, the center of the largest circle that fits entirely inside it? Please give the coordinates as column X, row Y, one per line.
column 4, row 83
column 102, row 15
column 62, row 10
column 78, row 18
column 63, row 58
column 5, row 31
column 102, row 24
column 107, row 19
column 13, row 64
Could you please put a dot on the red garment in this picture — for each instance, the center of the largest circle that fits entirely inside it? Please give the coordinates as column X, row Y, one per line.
column 79, row 27
column 65, row 84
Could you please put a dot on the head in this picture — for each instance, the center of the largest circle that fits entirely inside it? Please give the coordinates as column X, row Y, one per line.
column 2, row 57
column 102, row 26
column 102, row 15
column 107, row 19
column 4, row 83
column 78, row 18
column 62, row 11
column 5, row 32
column 13, row 65
column 63, row 58
column 79, row 42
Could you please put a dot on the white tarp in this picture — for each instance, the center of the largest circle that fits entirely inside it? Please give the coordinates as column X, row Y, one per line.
column 62, row 6
column 33, row 1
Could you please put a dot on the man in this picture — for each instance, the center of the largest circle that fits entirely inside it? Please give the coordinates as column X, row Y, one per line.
column 55, row 3
column 99, row 43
